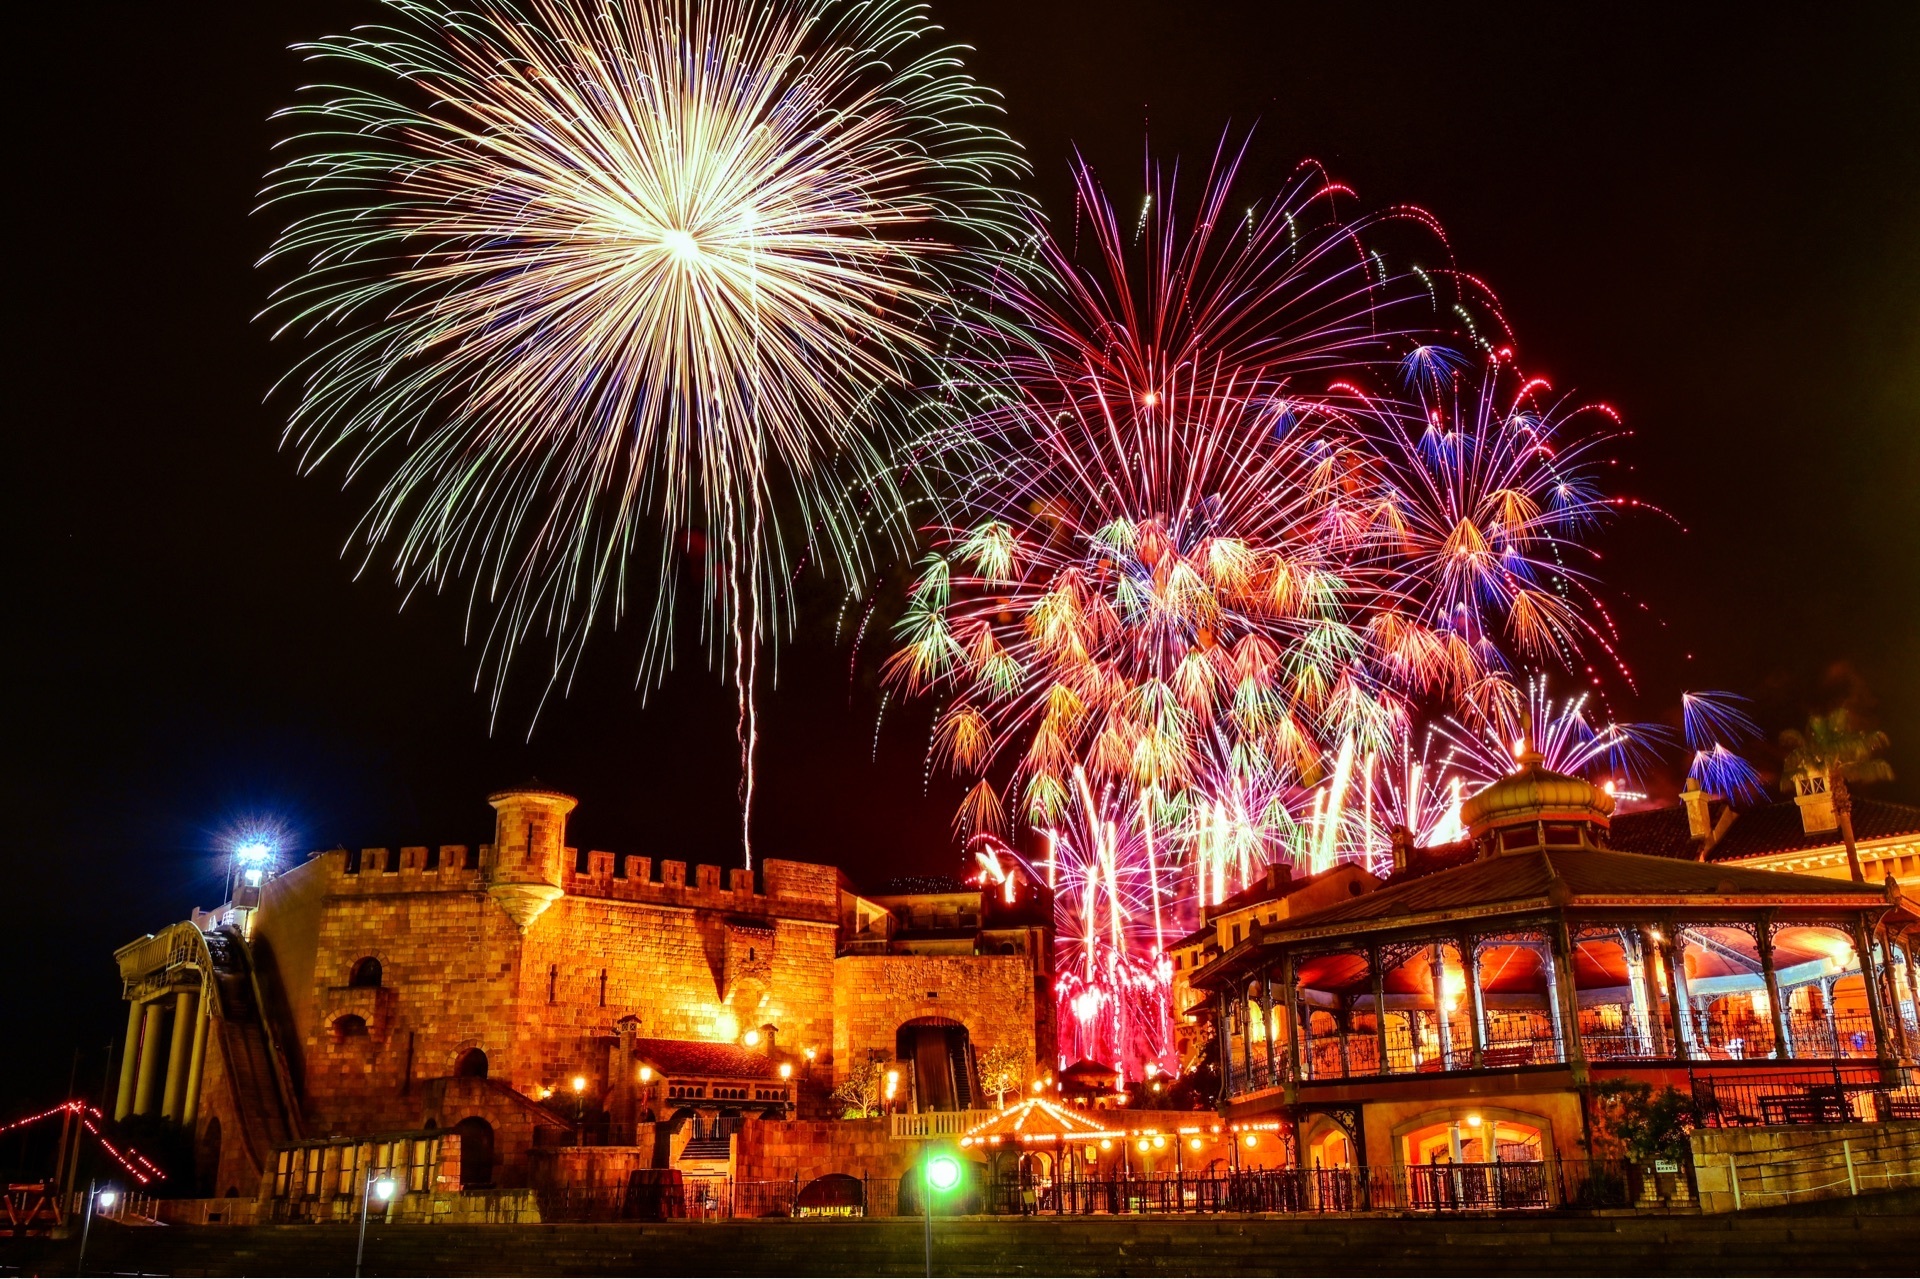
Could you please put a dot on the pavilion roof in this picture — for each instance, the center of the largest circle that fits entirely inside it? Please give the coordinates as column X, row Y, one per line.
column 1037, row 1119
column 1517, row 883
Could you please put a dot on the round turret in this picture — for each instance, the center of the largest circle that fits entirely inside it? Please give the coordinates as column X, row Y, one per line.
column 529, row 847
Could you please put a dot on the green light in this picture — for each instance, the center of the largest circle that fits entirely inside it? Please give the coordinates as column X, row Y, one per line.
column 943, row 1172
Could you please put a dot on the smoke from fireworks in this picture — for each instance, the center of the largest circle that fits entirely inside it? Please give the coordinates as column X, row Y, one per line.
column 611, row 289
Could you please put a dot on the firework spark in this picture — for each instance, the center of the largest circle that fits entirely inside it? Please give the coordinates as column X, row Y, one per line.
column 605, row 289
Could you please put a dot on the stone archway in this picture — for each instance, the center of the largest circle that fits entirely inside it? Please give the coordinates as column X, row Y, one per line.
column 939, row 1053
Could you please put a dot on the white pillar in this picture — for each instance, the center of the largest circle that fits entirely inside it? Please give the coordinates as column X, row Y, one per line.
column 176, row 1089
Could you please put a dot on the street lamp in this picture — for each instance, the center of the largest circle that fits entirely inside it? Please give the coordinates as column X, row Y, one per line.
column 941, row 1173
column 105, row 1197
column 383, row 1188
column 579, row 1109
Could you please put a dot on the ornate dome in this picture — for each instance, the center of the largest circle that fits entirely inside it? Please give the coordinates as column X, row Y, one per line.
column 1535, row 793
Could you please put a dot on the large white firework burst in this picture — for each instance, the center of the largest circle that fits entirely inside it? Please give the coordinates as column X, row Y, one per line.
column 614, row 289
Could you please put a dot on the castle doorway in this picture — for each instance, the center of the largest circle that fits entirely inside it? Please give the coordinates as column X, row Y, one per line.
column 941, row 1056
column 476, row 1152
column 472, row 1065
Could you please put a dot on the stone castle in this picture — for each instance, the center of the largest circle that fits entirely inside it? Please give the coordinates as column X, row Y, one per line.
column 517, row 989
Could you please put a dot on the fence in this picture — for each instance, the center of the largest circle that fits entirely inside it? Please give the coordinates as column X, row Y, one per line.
column 938, row 1123
column 1836, row 1096
column 1438, row 1188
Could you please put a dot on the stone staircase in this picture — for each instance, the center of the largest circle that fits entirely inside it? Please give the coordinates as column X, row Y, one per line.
column 1852, row 1238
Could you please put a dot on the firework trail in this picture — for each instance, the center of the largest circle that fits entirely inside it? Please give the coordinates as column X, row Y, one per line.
column 607, row 290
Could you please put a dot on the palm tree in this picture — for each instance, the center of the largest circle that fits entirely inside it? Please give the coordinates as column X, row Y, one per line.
column 1834, row 746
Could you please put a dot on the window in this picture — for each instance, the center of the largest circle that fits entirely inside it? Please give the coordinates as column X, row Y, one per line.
column 366, row 972
column 472, row 1064
column 553, row 980
column 350, row 1026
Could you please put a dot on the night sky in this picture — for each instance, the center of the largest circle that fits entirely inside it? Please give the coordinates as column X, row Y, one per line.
column 1712, row 223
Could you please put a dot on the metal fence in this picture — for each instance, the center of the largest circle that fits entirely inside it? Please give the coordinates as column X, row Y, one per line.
column 1840, row 1095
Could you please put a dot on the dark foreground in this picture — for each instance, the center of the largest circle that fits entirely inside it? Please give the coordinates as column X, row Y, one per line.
column 1854, row 1237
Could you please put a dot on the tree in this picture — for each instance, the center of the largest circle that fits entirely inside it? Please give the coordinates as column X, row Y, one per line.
column 864, row 1092
column 1832, row 746
column 1002, row 1070
column 1649, row 1126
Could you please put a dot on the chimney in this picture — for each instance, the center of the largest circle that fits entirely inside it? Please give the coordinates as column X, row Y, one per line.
column 1816, row 803
column 1402, row 848
column 1697, row 802
column 1279, row 874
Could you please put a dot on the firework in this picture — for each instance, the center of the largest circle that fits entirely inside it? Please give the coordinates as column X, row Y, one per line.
column 1486, row 745
column 1225, row 529
column 615, row 289
column 1715, row 726
column 1154, row 579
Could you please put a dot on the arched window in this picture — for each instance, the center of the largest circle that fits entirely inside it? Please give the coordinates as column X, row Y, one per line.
column 472, row 1064
column 349, row 1026
column 366, row 972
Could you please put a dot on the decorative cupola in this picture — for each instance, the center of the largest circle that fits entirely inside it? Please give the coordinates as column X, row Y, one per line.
column 1535, row 807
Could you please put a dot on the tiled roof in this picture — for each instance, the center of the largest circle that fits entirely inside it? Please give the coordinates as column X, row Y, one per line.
column 1520, row 877
column 1198, row 937
column 692, row 1057
column 1756, row 832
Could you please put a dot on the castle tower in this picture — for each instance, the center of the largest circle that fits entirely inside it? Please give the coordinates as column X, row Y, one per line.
column 529, row 850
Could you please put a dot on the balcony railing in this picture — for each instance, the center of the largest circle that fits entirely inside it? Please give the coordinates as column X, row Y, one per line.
column 937, row 1123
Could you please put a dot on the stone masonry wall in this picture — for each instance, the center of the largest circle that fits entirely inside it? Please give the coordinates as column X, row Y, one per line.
column 456, row 973
column 1778, row 1166
column 874, row 995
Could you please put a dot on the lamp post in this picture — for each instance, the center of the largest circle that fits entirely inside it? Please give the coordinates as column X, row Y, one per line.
column 384, row 1188
column 941, row 1173
column 579, row 1109
column 105, row 1196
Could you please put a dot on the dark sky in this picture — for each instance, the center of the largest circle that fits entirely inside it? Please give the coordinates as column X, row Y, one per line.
column 1712, row 222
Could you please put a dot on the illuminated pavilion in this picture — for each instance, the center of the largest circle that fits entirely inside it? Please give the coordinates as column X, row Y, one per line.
column 1466, row 1009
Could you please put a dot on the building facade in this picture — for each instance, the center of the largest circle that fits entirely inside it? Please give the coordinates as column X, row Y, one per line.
column 1451, row 1030
column 519, row 987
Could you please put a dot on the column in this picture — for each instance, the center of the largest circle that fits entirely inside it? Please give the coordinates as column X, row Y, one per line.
column 1645, row 951
column 1677, row 997
column 176, row 1088
column 1554, row 1010
column 1437, row 964
column 1293, row 1029
column 1379, row 1007
column 1560, row 944
column 1266, row 1025
column 197, row 1063
column 1913, row 979
column 1221, row 1022
column 1342, row 1023
column 1827, row 985
column 143, row 1098
column 1470, row 967
column 1891, row 992
column 129, row 1059
column 1637, row 991
column 1869, row 986
column 1782, row 1046
column 1246, row 1036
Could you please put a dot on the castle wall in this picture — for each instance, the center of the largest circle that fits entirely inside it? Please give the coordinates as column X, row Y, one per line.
column 457, row 973
column 874, row 995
